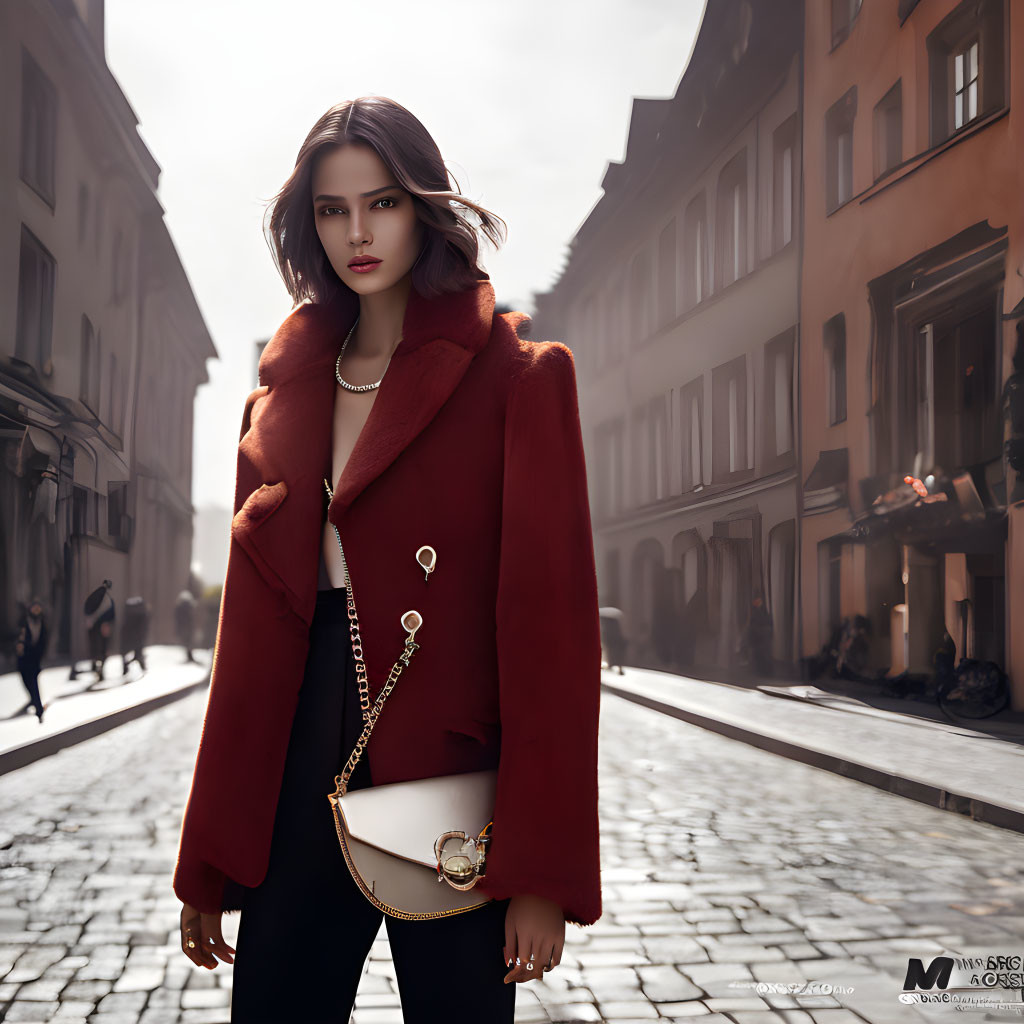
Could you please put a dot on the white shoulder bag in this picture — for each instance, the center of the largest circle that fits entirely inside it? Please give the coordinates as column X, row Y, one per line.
column 403, row 840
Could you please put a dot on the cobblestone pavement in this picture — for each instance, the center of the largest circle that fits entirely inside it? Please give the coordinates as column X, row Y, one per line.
column 724, row 866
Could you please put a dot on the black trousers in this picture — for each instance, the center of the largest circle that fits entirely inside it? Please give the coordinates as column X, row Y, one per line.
column 306, row 930
column 30, row 677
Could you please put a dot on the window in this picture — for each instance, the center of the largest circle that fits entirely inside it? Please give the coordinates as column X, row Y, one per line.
column 640, row 484
column 614, row 316
column 967, row 64
column 696, row 258
column 839, row 150
column 582, row 332
column 889, row 131
column 38, row 128
column 965, row 87
column 835, row 357
column 89, row 367
column 778, row 400
column 844, row 14
column 729, row 418
column 640, row 296
column 86, row 511
column 731, row 221
column 117, row 506
column 610, row 481
column 116, row 390
column 657, row 447
column 667, row 273
column 691, row 419
column 784, row 184
column 34, row 332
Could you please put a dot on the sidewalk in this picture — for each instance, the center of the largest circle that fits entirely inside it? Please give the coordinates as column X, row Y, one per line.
column 75, row 710
column 976, row 770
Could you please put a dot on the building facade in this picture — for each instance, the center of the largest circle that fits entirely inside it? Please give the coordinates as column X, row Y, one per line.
column 679, row 300
column 102, row 344
column 911, row 306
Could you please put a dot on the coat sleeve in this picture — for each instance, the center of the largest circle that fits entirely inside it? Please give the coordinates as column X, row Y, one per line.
column 545, row 836
column 196, row 881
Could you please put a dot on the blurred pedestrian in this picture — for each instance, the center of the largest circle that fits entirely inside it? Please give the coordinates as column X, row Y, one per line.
column 613, row 639
column 133, row 632
column 100, row 613
column 185, row 621
column 30, row 648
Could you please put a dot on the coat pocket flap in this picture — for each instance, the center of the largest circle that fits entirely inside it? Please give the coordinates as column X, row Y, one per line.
column 264, row 500
column 267, row 540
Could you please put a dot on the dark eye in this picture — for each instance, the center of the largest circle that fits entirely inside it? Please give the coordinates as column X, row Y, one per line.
column 386, row 199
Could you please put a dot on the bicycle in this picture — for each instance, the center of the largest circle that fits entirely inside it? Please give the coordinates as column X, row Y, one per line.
column 977, row 689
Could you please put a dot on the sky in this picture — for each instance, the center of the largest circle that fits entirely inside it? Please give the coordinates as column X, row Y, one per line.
column 528, row 103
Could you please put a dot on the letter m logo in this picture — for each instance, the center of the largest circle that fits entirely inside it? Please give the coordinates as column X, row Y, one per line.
column 939, row 971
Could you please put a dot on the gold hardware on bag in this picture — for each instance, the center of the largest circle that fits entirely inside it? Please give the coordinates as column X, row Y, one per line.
column 454, row 863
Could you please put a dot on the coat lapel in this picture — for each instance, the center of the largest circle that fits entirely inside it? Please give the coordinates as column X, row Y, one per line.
column 440, row 336
column 290, row 439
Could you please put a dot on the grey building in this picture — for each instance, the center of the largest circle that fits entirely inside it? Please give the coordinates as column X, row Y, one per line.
column 679, row 299
column 102, row 344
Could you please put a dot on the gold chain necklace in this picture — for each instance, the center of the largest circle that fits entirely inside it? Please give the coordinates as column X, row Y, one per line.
column 337, row 366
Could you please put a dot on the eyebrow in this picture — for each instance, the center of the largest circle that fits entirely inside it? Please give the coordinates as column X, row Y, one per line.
column 363, row 195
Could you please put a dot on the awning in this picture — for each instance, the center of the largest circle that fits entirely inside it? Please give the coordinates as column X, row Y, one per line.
column 953, row 519
column 825, row 488
column 831, row 470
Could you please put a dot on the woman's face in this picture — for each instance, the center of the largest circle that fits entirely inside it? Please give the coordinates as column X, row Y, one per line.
column 382, row 224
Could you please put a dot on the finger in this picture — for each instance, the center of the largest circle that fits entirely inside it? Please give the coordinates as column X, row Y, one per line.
column 537, row 958
column 220, row 947
column 217, row 946
column 518, row 971
column 514, row 959
column 556, row 958
column 525, row 969
column 546, row 956
column 508, row 951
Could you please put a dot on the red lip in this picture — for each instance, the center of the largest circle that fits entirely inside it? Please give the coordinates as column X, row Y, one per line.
column 358, row 260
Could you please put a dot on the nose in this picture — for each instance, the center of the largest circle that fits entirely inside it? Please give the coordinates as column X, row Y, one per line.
column 358, row 232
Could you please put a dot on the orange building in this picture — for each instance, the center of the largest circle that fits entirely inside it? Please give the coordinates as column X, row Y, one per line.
column 912, row 504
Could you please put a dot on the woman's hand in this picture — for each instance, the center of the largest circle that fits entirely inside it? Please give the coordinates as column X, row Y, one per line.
column 534, row 926
column 204, row 931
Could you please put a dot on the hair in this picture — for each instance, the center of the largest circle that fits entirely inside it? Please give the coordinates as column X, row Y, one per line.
column 448, row 260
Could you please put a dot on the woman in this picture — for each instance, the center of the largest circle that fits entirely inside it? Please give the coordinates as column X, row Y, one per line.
column 436, row 424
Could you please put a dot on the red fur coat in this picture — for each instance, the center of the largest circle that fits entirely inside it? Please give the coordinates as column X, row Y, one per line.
column 473, row 446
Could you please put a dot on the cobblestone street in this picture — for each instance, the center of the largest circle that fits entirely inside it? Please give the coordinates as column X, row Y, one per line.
column 723, row 866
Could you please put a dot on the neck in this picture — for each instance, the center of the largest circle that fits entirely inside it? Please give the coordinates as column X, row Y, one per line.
column 380, row 321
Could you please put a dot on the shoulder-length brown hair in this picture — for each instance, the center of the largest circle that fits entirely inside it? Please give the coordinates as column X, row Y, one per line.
column 448, row 262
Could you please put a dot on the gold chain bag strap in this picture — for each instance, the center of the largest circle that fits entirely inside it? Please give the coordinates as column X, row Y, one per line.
column 402, row 840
